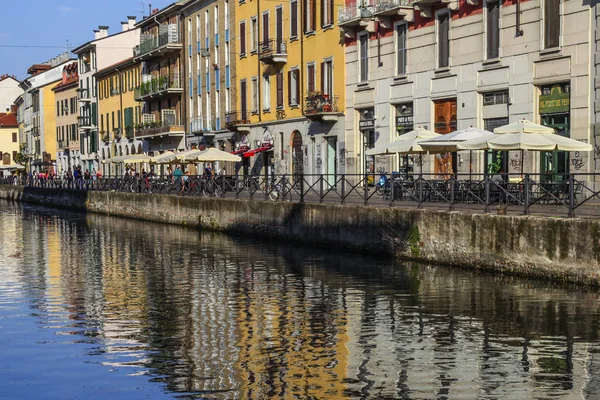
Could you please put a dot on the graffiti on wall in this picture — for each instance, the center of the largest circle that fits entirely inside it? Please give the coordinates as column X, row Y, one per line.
column 577, row 161
column 516, row 162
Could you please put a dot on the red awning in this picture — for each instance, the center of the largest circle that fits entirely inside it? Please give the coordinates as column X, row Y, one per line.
column 254, row 152
column 240, row 151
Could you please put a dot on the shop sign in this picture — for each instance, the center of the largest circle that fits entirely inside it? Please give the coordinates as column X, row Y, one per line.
column 555, row 102
column 366, row 124
column 404, row 120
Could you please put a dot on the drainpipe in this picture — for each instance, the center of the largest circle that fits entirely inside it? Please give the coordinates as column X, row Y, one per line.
column 259, row 83
column 518, row 19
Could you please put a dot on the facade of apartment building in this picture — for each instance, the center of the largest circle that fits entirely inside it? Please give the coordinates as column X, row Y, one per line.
column 159, row 52
column 67, row 111
column 120, row 118
column 9, row 91
column 104, row 50
column 39, row 134
column 9, row 141
column 447, row 65
column 209, row 71
column 291, row 94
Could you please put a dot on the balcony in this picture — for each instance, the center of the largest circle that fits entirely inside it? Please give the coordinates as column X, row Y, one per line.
column 151, row 46
column 158, row 87
column 117, row 134
column 151, row 130
column 62, row 144
column 236, row 120
column 83, row 95
column 350, row 14
column 85, row 122
column 35, row 131
column 321, row 106
column 273, row 51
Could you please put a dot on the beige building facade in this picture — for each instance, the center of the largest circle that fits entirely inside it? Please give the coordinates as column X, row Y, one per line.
column 67, row 110
column 447, row 65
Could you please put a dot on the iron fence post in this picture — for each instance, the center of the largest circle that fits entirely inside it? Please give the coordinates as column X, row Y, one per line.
column 284, row 186
column 366, row 190
column 526, row 195
column 302, row 188
column 392, row 190
column 571, row 196
column 420, row 180
column 486, row 180
column 343, row 189
column 451, row 193
column 321, row 189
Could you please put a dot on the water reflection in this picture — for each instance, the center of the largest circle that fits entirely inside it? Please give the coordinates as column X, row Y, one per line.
column 205, row 315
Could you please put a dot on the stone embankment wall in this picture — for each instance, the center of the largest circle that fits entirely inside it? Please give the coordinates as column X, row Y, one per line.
column 559, row 249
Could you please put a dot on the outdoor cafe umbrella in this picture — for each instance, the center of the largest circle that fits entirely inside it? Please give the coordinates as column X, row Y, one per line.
column 166, row 158
column 183, row 156
column 212, row 155
column 409, row 143
column 449, row 143
column 137, row 158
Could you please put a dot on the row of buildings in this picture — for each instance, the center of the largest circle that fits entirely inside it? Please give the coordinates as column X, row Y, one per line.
column 308, row 86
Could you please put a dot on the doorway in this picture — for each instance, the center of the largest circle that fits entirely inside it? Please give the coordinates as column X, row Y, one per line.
column 331, row 161
column 554, row 165
column 445, row 122
column 297, row 153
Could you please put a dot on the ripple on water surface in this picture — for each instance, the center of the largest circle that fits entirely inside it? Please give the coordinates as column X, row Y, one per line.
column 94, row 307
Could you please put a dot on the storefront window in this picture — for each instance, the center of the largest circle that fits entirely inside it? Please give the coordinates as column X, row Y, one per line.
column 554, row 106
column 367, row 127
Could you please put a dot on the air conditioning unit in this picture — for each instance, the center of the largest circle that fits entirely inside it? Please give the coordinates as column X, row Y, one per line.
column 205, row 52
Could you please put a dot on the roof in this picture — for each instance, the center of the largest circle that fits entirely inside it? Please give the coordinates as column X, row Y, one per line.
column 6, row 76
column 8, row 120
column 72, row 81
column 106, row 71
column 94, row 41
column 155, row 13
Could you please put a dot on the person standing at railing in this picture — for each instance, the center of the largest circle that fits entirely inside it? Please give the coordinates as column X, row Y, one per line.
column 69, row 178
column 177, row 174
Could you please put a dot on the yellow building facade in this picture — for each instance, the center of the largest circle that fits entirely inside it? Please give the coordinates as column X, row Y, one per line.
column 119, row 114
column 290, row 86
column 49, row 144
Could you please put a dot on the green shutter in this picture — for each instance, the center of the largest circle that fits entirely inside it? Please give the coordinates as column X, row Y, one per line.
column 128, row 117
column 94, row 114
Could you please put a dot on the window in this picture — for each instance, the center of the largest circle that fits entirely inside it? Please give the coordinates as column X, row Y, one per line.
column 494, row 98
column 14, row 137
column 310, row 15
column 266, row 92
column 551, row 24
column 310, row 77
column 293, row 19
column 216, row 19
column 327, row 77
column 363, row 48
column 443, row 43
column 58, row 108
column 253, row 34
column 280, row 89
column 401, row 49
column 326, row 13
column 242, row 38
column 254, row 89
column 265, row 28
column 294, row 87
column 493, row 30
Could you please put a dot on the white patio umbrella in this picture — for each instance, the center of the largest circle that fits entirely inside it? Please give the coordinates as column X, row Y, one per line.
column 213, row 154
column 449, row 143
column 405, row 144
column 165, row 158
column 409, row 143
column 182, row 156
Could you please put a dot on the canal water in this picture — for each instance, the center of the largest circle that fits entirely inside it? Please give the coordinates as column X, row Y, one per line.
column 93, row 307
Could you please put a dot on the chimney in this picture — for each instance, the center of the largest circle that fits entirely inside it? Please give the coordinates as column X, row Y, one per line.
column 131, row 21
column 103, row 31
column 124, row 26
column 13, row 108
column 96, row 34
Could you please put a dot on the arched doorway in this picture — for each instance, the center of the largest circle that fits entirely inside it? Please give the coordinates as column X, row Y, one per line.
column 132, row 149
column 140, row 149
column 297, row 153
column 126, row 150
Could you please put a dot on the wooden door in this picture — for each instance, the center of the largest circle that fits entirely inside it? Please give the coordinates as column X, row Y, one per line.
column 445, row 122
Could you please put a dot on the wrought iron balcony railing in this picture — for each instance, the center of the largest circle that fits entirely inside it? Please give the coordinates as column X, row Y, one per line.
column 159, row 86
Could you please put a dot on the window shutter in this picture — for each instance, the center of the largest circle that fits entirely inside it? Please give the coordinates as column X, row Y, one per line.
column 330, row 22
column 94, row 113
column 243, row 100
column 492, row 30
column 443, row 42
column 304, row 14
column 294, row 19
column 297, row 73
column 289, row 85
column 265, row 27
column 313, row 16
column 280, row 89
column 323, row 78
column 322, row 13
column 242, row 38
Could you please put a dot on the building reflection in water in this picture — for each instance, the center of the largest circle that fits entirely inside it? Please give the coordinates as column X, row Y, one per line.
column 233, row 318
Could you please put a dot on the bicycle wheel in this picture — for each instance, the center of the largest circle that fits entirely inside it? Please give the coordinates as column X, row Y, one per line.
column 218, row 191
column 274, row 194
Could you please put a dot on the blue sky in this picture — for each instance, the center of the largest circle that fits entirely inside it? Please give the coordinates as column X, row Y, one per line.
column 49, row 24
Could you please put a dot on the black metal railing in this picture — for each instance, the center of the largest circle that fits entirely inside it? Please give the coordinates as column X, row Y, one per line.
column 234, row 118
column 272, row 46
column 555, row 195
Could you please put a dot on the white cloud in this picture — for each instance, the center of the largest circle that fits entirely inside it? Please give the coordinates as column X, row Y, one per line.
column 65, row 10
